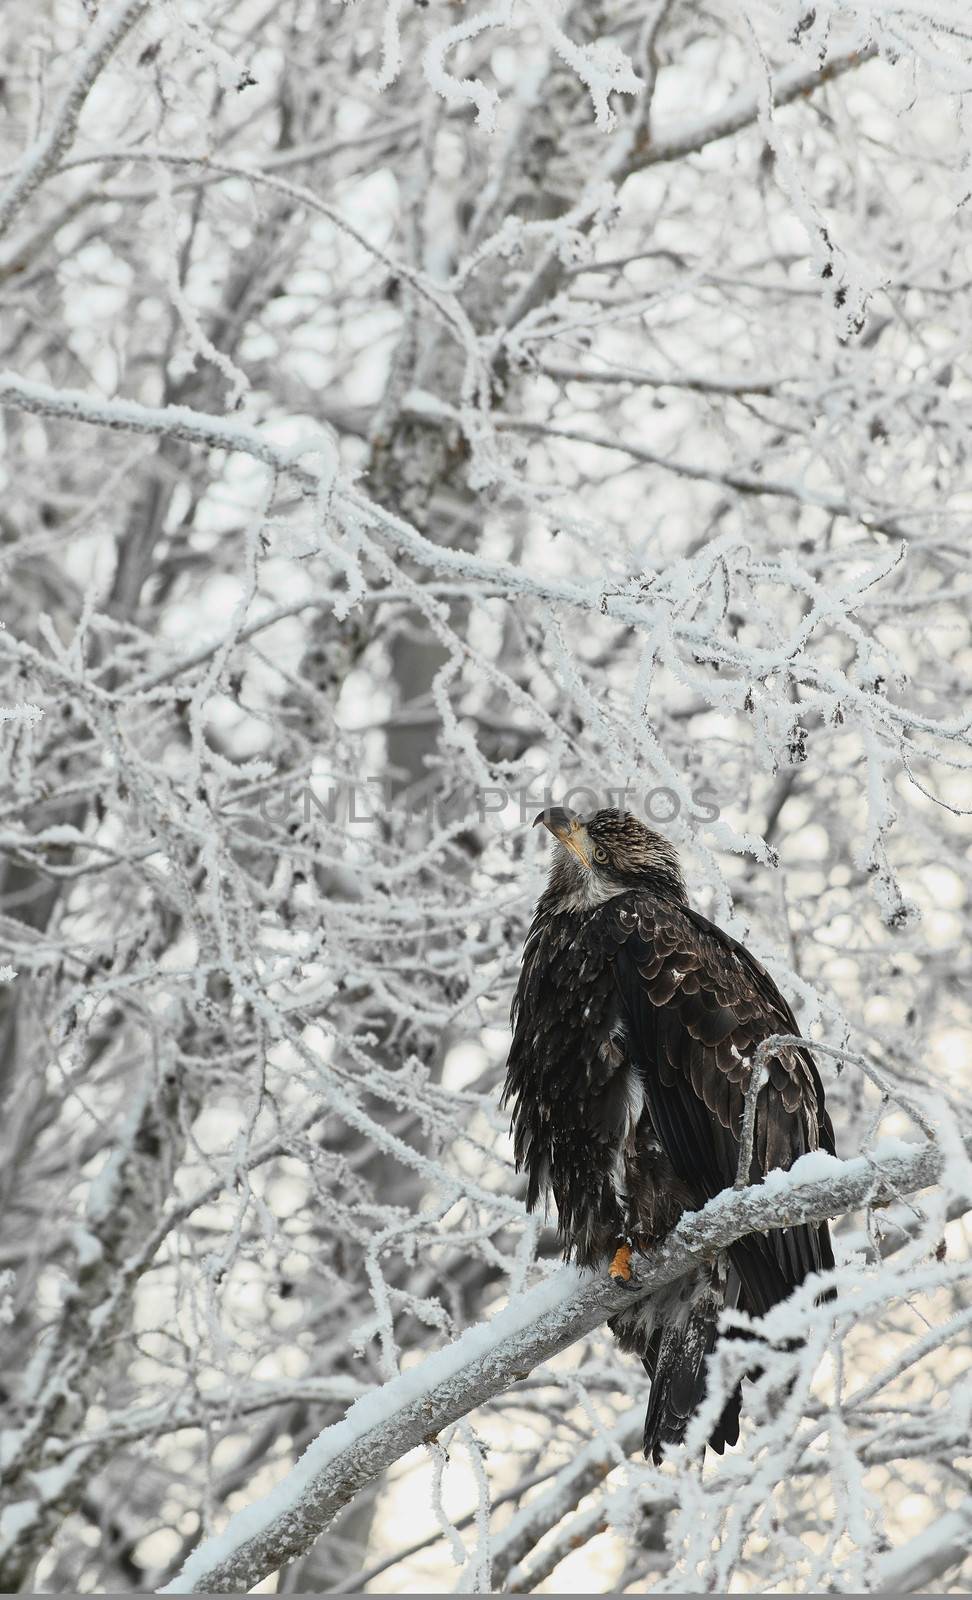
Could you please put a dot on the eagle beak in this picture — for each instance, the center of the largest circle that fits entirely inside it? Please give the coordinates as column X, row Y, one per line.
column 568, row 829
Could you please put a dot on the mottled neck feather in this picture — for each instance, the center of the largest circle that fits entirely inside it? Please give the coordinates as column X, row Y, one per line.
column 665, row 881
column 571, row 887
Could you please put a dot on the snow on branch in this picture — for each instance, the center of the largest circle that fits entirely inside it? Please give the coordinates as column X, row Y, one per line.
column 412, row 1408
column 914, row 1565
column 172, row 422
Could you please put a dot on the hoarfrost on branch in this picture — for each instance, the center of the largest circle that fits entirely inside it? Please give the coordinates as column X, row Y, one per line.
column 411, row 417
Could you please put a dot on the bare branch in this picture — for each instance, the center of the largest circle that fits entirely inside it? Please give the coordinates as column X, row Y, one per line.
column 793, row 83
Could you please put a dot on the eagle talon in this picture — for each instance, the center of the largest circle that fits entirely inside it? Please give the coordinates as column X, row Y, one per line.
column 620, row 1268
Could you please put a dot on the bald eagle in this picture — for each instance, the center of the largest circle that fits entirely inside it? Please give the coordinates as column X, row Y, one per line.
column 634, row 1024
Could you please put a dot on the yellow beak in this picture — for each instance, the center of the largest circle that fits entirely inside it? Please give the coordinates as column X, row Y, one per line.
column 569, row 830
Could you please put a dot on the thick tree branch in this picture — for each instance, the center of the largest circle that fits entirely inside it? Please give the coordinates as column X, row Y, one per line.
column 385, row 1425
column 926, row 1557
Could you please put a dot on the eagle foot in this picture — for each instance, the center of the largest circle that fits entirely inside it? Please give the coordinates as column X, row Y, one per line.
column 620, row 1269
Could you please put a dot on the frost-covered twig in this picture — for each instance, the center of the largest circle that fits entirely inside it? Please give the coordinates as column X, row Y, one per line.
column 570, row 1485
column 107, row 33
column 794, row 83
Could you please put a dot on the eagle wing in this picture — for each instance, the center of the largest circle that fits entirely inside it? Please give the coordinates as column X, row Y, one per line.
column 697, row 1006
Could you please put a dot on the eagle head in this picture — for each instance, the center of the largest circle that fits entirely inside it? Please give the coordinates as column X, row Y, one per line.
column 606, row 854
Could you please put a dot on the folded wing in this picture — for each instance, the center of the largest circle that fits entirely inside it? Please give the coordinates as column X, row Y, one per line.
column 698, row 1005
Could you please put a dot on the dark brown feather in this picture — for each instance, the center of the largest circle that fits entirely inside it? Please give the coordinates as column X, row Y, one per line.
column 635, row 1023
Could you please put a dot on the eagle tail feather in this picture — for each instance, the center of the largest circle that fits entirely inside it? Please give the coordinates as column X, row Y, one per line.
column 767, row 1275
column 674, row 1351
column 678, row 1380
column 726, row 1430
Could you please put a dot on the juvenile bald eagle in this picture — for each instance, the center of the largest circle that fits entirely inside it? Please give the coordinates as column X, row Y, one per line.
column 634, row 1024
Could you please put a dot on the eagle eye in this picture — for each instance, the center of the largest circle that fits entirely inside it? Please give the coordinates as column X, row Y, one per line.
column 600, row 854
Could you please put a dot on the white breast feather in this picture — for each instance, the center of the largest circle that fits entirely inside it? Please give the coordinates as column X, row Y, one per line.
column 625, row 1146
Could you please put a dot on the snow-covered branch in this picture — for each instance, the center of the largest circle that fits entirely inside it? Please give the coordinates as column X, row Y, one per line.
column 926, row 1557
column 383, row 1426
